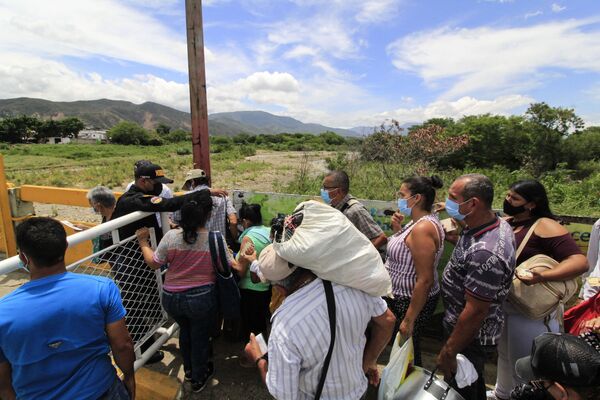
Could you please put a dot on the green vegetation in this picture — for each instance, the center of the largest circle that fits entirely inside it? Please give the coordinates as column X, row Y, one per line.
column 25, row 129
column 546, row 143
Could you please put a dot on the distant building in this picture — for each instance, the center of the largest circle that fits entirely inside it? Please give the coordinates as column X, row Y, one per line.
column 91, row 136
column 58, row 140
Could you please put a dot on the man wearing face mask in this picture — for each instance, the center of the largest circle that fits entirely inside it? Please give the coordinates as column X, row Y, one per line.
column 475, row 281
column 560, row 367
column 334, row 191
column 128, row 266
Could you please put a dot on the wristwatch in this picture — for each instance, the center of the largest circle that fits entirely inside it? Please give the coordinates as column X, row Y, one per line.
column 263, row 357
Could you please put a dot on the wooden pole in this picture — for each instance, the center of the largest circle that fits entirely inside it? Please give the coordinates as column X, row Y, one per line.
column 198, row 103
column 7, row 225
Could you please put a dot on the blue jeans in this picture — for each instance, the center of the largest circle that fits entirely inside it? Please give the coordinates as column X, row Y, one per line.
column 117, row 391
column 195, row 311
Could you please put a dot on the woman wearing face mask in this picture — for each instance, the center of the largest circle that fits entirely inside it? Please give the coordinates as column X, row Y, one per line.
column 413, row 253
column 526, row 202
column 255, row 297
column 103, row 201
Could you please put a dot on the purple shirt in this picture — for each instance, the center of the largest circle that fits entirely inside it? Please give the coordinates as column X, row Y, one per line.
column 482, row 265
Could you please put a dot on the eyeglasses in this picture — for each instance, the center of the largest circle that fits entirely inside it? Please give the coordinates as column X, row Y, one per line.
column 329, row 187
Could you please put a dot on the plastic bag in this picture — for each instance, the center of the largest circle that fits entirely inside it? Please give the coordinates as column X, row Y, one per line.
column 327, row 243
column 397, row 369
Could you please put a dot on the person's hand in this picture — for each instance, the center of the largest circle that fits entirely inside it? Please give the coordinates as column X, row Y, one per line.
column 129, row 382
column 592, row 325
column 446, row 363
column 529, row 277
column 252, row 349
column 372, row 373
column 406, row 328
column 397, row 219
column 440, row 206
column 219, row 192
column 143, row 235
column 248, row 257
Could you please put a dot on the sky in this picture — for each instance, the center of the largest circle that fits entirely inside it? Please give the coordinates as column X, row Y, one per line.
column 342, row 63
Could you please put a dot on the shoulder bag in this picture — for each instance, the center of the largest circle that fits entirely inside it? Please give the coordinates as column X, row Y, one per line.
column 539, row 300
column 331, row 312
column 228, row 293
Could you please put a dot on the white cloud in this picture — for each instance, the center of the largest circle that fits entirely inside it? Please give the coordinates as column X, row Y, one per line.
column 377, row 10
column 456, row 109
column 497, row 60
column 533, row 14
column 556, row 8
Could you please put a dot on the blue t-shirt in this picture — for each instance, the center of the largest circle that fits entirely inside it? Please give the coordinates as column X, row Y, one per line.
column 52, row 332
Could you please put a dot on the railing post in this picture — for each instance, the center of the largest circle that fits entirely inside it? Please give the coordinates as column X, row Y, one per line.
column 7, row 225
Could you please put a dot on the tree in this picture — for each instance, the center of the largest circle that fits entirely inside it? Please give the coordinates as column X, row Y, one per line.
column 583, row 146
column 71, row 126
column 127, row 132
column 548, row 126
column 18, row 129
column 163, row 130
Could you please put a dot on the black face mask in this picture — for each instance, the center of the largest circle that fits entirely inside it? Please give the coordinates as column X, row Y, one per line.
column 511, row 210
column 157, row 189
column 531, row 391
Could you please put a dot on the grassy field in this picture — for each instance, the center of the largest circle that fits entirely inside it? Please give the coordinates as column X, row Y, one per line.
column 84, row 166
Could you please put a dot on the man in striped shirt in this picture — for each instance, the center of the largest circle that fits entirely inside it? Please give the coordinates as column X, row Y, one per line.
column 300, row 337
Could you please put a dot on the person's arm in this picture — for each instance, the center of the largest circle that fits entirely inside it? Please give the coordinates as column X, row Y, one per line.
column 143, row 236
column 382, row 328
column 254, row 354
column 233, row 229
column 244, row 262
column 466, row 329
column 6, row 389
column 121, row 346
column 421, row 243
column 568, row 268
column 379, row 241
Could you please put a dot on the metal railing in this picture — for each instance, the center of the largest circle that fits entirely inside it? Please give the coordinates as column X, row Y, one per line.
column 140, row 286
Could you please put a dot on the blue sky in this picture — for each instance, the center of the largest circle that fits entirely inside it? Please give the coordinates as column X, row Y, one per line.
column 342, row 63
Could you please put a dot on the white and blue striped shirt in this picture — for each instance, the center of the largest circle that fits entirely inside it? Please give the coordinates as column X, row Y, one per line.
column 300, row 339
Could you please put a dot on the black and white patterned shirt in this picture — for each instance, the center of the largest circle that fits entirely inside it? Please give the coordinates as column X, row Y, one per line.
column 482, row 265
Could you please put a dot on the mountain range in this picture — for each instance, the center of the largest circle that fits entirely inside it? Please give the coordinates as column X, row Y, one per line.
column 105, row 113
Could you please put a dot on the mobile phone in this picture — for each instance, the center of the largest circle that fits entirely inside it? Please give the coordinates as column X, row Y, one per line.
column 262, row 344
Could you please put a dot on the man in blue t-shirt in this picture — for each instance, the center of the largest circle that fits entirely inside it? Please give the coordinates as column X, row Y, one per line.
column 56, row 331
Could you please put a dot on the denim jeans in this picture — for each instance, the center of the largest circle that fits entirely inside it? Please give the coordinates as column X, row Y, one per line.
column 195, row 310
column 117, row 391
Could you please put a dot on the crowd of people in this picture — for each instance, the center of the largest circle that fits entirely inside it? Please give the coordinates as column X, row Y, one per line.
column 324, row 338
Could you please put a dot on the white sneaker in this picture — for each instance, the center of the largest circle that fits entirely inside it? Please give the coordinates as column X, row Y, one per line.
column 490, row 395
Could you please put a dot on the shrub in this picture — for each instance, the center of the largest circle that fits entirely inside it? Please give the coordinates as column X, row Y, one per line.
column 183, row 151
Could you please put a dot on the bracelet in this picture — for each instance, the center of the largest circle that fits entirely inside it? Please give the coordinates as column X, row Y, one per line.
column 263, row 357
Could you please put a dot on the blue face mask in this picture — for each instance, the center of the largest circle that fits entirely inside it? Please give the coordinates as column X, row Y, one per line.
column 452, row 209
column 325, row 196
column 403, row 206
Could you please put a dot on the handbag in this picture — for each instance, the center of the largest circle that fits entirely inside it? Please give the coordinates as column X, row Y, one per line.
column 576, row 316
column 228, row 293
column 539, row 300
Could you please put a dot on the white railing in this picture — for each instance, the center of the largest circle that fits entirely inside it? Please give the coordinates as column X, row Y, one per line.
column 140, row 286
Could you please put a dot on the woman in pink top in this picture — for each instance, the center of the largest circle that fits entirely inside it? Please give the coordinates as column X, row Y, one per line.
column 413, row 253
column 189, row 294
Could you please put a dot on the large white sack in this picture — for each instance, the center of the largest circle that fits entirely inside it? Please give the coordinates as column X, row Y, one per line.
column 327, row 243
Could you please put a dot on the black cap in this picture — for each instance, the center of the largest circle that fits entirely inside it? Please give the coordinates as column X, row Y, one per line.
column 562, row 358
column 151, row 171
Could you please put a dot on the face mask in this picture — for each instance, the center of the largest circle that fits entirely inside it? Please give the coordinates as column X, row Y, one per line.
column 511, row 210
column 325, row 196
column 26, row 265
column 452, row 209
column 403, row 206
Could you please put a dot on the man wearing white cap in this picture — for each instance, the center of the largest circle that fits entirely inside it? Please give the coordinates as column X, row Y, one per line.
column 223, row 210
column 301, row 335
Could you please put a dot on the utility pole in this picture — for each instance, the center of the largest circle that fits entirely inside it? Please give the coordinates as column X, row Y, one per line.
column 197, row 75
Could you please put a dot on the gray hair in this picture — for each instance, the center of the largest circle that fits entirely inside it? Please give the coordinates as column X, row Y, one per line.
column 340, row 180
column 102, row 195
column 480, row 186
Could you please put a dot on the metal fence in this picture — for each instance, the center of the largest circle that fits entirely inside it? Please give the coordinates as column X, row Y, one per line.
column 140, row 286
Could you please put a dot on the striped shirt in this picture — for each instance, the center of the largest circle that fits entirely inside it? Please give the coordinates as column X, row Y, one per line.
column 300, row 339
column 400, row 263
column 222, row 207
column 190, row 265
column 481, row 265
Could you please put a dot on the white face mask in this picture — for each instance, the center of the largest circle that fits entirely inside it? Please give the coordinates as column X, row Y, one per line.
column 26, row 265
